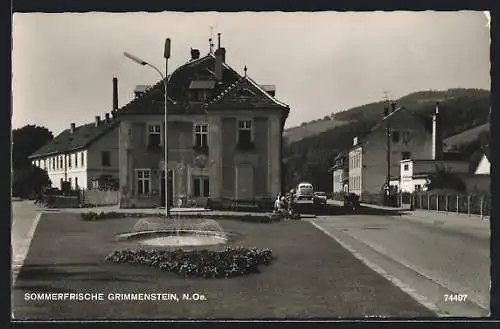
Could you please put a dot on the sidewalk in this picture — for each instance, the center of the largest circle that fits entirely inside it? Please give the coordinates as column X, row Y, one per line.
column 422, row 212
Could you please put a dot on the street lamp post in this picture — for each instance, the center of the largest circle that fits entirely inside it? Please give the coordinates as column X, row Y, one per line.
column 144, row 63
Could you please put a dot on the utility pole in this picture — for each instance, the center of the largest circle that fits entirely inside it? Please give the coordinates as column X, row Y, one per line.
column 388, row 177
column 388, row 149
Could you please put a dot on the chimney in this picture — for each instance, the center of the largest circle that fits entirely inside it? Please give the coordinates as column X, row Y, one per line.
column 107, row 117
column 218, row 64
column 437, row 143
column 73, row 127
column 115, row 94
column 218, row 40
column 355, row 141
column 195, row 54
column 97, row 120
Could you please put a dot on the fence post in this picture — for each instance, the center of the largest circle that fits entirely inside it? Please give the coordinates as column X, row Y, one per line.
column 468, row 205
column 458, row 201
column 482, row 203
column 428, row 201
column 437, row 202
column 446, row 203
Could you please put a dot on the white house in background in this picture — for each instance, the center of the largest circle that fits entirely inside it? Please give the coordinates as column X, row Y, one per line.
column 483, row 167
column 414, row 173
column 85, row 156
column 340, row 173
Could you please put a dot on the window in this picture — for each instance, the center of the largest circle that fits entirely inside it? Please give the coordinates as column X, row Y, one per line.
column 76, row 182
column 406, row 167
column 406, row 136
column 245, row 132
column 61, row 183
column 143, row 181
column 106, row 159
column 395, row 136
column 201, row 135
column 69, row 161
column 418, row 187
column 53, row 160
column 60, row 162
column 44, row 161
column 76, row 159
column 154, row 136
column 82, row 159
column 201, row 187
column 69, row 180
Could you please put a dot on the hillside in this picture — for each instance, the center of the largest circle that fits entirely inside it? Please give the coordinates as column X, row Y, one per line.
column 422, row 101
column 310, row 129
column 466, row 136
column 309, row 158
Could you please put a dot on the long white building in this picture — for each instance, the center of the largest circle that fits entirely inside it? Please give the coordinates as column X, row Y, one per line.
column 83, row 156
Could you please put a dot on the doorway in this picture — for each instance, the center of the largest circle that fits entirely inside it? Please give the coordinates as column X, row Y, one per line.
column 170, row 188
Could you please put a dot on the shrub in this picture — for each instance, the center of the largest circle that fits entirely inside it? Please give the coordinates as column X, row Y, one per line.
column 230, row 262
column 93, row 216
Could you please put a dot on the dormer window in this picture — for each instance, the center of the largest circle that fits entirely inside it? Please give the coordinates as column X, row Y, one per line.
column 199, row 90
column 140, row 90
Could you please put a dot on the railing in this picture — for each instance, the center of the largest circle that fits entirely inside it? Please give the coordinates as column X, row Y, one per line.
column 447, row 202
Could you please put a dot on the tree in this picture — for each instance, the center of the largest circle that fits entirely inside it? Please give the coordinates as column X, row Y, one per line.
column 26, row 141
column 29, row 181
column 444, row 179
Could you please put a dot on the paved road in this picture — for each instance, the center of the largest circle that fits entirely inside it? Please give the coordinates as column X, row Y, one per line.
column 429, row 255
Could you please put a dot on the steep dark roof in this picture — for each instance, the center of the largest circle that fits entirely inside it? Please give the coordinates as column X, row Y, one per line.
column 245, row 93
column 426, row 122
column 231, row 90
column 82, row 137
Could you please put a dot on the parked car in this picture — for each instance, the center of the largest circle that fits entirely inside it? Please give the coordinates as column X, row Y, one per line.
column 320, row 198
column 304, row 191
column 351, row 201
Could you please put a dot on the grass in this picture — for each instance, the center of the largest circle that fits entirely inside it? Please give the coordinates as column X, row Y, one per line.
column 311, row 277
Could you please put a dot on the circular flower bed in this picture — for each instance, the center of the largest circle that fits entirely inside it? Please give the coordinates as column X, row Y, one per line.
column 227, row 263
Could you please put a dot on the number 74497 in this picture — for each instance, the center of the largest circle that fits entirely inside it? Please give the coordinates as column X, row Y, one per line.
column 455, row 297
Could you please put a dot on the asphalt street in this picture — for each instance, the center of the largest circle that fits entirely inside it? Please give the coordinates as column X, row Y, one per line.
column 431, row 256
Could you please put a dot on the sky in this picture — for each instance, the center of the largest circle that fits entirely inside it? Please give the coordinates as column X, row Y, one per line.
column 322, row 62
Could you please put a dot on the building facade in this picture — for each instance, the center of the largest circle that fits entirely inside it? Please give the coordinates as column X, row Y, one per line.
column 224, row 137
column 414, row 173
column 410, row 138
column 84, row 156
column 340, row 173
